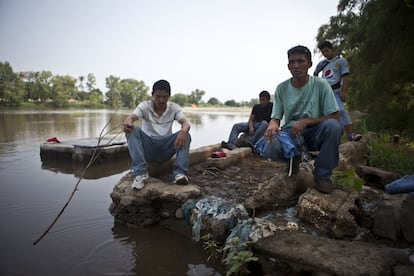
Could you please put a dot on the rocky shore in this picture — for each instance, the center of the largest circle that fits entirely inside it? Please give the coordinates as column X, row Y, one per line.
column 295, row 229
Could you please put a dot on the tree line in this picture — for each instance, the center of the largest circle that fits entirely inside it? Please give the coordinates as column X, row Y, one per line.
column 377, row 38
column 44, row 88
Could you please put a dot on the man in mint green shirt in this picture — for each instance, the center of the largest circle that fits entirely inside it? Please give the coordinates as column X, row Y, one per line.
column 309, row 109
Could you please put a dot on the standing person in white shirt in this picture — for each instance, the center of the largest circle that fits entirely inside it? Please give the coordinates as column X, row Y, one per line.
column 335, row 70
column 155, row 140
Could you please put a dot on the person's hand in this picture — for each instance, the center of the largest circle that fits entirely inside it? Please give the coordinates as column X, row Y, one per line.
column 272, row 128
column 181, row 140
column 128, row 127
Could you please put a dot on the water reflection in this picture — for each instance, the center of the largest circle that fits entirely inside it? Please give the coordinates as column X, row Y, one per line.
column 160, row 251
column 95, row 171
column 85, row 240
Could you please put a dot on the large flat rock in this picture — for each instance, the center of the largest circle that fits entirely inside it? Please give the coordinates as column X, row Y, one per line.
column 331, row 256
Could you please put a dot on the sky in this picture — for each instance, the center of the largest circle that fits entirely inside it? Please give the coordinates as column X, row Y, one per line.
column 231, row 49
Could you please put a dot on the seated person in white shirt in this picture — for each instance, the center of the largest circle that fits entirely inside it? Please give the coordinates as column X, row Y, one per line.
column 155, row 140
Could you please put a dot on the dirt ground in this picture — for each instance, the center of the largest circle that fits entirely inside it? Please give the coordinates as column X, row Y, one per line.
column 237, row 182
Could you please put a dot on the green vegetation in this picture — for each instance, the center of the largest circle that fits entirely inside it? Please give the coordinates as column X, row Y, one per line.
column 237, row 254
column 377, row 38
column 43, row 89
column 390, row 156
column 348, row 179
column 213, row 250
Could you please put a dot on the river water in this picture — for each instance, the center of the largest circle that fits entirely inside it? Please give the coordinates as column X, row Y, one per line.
column 85, row 240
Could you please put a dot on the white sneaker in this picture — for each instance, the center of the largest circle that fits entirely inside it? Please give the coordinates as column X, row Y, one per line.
column 181, row 179
column 139, row 181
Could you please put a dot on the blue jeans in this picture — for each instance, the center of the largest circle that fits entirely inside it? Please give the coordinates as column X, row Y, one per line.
column 345, row 120
column 324, row 137
column 143, row 148
column 259, row 130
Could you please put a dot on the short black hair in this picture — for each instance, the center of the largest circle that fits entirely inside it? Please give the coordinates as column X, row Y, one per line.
column 161, row 85
column 325, row 44
column 264, row 93
column 300, row 50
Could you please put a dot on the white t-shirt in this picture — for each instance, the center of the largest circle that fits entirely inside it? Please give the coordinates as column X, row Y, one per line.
column 154, row 125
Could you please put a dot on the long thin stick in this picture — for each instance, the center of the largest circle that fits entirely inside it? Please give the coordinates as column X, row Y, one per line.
column 93, row 158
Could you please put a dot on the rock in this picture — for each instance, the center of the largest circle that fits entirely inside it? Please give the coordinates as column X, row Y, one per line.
column 403, row 270
column 281, row 190
column 388, row 218
column 352, row 154
column 179, row 213
column 385, row 222
column 407, row 218
column 329, row 213
column 146, row 207
column 232, row 157
column 376, row 177
column 324, row 255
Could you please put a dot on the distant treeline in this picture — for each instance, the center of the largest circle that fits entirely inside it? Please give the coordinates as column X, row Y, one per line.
column 45, row 89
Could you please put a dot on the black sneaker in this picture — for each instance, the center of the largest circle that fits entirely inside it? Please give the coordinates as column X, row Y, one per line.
column 324, row 185
column 227, row 145
column 355, row 137
column 242, row 143
column 181, row 179
column 293, row 166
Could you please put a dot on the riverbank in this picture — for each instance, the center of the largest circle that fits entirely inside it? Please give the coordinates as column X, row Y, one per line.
column 299, row 220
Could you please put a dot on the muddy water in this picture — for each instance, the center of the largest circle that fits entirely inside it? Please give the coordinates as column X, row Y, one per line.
column 85, row 240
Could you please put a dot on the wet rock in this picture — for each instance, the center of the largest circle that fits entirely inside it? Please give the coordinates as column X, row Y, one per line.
column 146, row 207
column 324, row 255
column 330, row 213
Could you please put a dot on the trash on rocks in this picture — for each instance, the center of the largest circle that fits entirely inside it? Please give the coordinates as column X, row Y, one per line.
column 218, row 208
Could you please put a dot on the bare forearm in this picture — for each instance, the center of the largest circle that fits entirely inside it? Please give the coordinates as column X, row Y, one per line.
column 129, row 122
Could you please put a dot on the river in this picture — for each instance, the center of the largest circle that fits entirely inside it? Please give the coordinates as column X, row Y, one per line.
column 85, row 240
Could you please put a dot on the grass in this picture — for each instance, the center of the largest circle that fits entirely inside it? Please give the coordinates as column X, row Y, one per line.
column 390, row 156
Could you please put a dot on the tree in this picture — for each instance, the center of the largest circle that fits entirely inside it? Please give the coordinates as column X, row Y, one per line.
column 133, row 92
column 114, row 94
column 11, row 86
column 96, row 98
column 180, row 99
column 377, row 38
column 231, row 103
column 63, row 89
column 90, row 82
column 42, row 86
column 81, row 87
column 28, row 78
column 213, row 101
column 196, row 96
